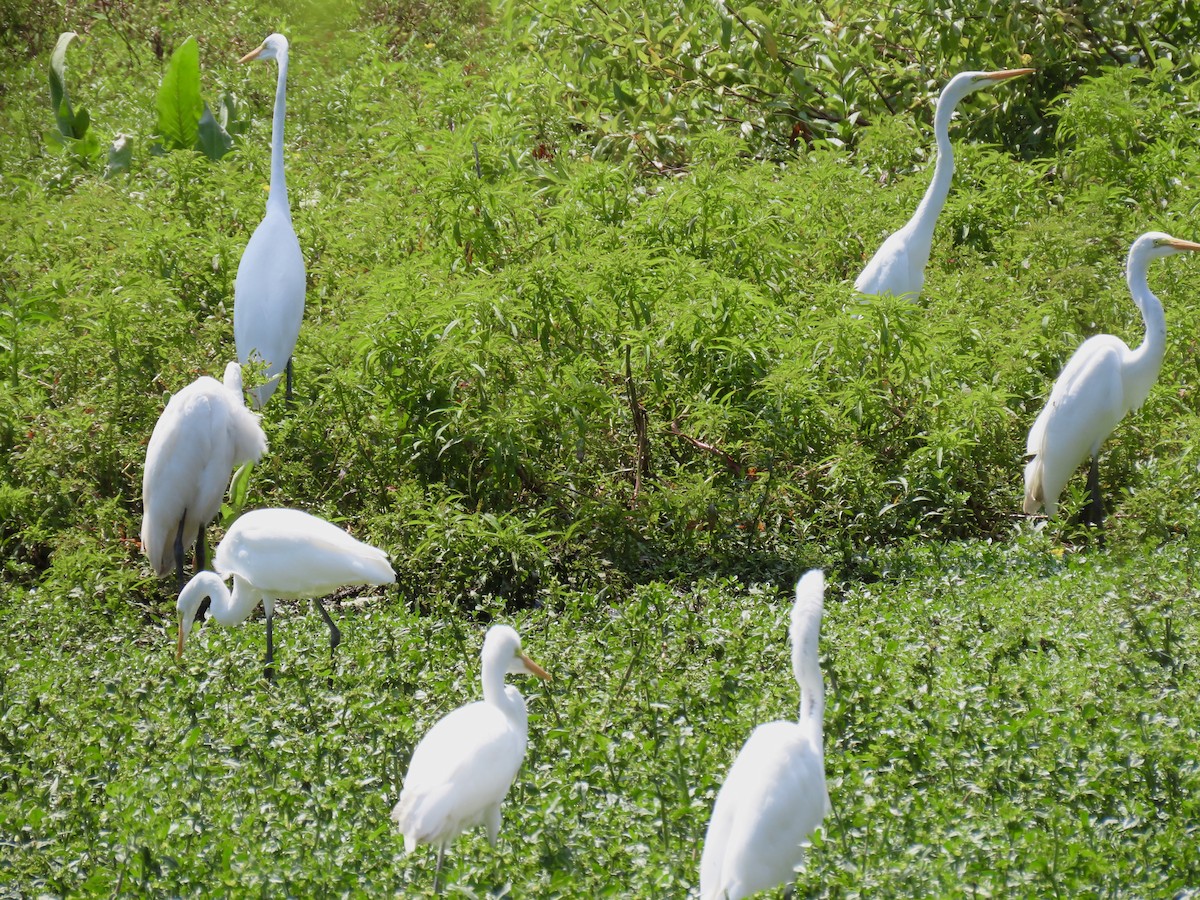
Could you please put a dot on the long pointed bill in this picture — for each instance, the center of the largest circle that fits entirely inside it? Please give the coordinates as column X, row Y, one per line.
column 534, row 668
column 1182, row 245
column 1008, row 73
column 179, row 646
column 253, row 54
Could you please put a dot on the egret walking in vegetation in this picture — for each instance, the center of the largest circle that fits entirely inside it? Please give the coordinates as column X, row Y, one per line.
column 898, row 266
column 268, row 293
column 774, row 796
column 1101, row 382
column 463, row 768
column 274, row 554
column 204, row 433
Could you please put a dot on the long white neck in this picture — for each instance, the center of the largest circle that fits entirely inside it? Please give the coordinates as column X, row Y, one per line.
column 921, row 225
column 1144, row 364
column 508, row 700
column 227, row 608
column 806, row 663
column 278, row 198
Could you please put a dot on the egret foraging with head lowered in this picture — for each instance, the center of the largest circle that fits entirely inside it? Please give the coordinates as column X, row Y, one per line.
column 462, row 769
column 1101, row 382
column 274, row 554
column 774, row 796
column 898, row 266
column 204, row 433
column 268, row 293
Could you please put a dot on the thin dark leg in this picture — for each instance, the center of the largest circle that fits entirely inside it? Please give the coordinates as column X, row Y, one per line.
column 270, row 668
column 437, row 872
column 288, row 390
column 335, row 634
column 179, row 554
column 202, row 610
column 1096, row 505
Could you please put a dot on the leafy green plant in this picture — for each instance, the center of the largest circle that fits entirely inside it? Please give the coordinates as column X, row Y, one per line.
column 185, row 121
column 73, row 122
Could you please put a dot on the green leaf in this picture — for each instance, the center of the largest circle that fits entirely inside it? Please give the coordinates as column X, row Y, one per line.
column 179, row 104
column 212, row 140
column 59, row 100
column 239, row 487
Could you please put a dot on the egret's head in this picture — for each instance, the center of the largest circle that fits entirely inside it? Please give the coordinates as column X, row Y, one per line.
column 966, row 82
column 273, row 47
column 1157, row 244
column 193, row 594
column 503, row 644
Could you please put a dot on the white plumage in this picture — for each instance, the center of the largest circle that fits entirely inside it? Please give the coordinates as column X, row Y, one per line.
column 204, row 433
column 268, row 292
column 274, row 554
column 898, row 266
column 1101, row 382
column 462, row 769
column 774, row 796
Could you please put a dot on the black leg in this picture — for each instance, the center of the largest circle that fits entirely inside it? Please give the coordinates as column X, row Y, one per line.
column 288, row 390
column 179, row 554
column 201, row 549
column 270, row 668
column 437, row 872
column 335, row 635
column 202, row 609
column 1095, row 514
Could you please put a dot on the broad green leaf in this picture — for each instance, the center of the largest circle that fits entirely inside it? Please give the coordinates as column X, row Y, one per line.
column 59, row 100
column 179, row 104
column 212, row 140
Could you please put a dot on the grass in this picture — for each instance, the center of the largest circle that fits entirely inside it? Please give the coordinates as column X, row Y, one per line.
column 506, row 274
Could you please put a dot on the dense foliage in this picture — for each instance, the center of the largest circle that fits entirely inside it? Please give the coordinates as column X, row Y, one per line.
column 580, row 348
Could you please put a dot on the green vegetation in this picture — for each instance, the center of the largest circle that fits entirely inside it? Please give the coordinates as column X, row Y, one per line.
column 580, row 352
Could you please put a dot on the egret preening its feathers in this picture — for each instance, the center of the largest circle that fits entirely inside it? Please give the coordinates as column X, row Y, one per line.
column 898, row 266
column 462, row 769
column 268, row 293
column 274, row 554
column 1101, row 382
column 204, row 433
column 774, row 796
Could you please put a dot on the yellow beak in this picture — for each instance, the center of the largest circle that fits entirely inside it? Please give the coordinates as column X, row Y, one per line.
column 534, row 668
column 253, row 54
column 1008, row 73
column 179, row 646
column 1182, row 245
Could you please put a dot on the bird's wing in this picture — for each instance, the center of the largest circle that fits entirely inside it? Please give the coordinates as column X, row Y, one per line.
column 289, row 553
column 891, row 269
column 268, row 304
column 188, row 461
column 460, row 770
column 773, row 798
column 1087, row 400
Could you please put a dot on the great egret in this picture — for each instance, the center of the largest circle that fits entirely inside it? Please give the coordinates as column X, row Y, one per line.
column 204, row 433
column 898, row 266
column 275, row 554
column 268, row 294
column 1101, row 382
column 774, row 795
column 462, row 769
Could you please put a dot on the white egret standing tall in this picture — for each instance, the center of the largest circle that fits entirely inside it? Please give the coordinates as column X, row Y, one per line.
column 1101, row 382
column 268, row 293
column 462, row 769
column 274, row 554
column 898, row 266
column 204, row 433
column 774, row 796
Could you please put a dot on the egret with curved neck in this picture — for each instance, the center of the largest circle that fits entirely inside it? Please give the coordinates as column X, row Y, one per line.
column 462, row 769
column 274, row 554
column 774, row 796
column 268, row 303
column 898, row 266
column 1101, row 382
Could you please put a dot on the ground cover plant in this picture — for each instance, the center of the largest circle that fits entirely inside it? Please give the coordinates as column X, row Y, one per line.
column 580, row 352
